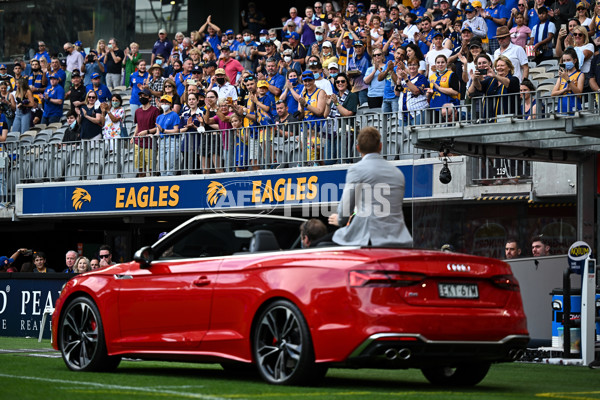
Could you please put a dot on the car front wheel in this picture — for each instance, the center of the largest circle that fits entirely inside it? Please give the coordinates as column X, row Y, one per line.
column 283, row 348
column 81, row 338
column 465, row 375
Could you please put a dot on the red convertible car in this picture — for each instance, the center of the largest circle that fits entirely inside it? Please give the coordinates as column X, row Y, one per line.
column 235, row 289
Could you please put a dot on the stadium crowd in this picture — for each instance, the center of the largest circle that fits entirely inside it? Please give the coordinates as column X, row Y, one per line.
column 326, row 62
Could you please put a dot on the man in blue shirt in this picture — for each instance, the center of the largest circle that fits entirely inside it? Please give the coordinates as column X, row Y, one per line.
column 183, row 76
column 58, row 71
column 213, row 36
column 357, row 68
column 53, row 101
column 418, row 9
column 138, row 79
column 495, row 15
column 42, row 53
column 101, row 90
column 162, row 47
column 275, row 80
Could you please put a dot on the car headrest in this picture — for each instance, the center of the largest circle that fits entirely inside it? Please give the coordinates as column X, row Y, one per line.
column 263, row 240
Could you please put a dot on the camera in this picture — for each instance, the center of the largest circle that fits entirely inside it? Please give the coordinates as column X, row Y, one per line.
column 562, row 66
column 89, row 59
column 482, row 71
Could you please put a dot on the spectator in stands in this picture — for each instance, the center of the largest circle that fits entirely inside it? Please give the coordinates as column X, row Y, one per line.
column 315, row 66
column 292, row 84
column 145, row 128
column 357, row 68
column 595, row 73
column 94, row 263
column 390, row 100
column 540, row 246
column 105, row 255
column 595, row 24
column 496, row 16
column 444, row 87
column 21, row 103
column 529, row 107
column 310, row 231
column 74, row 58
column 182, row 77
column 512, row 249
column 413, row 97
column 542, row 35
column 155, row 84
column 73, row 131
column 326, row 55
column 82, row 265
column 298, row 49
column 583, row 16
column 113, row 115
column 5, row 105
column 570, row 82
column 436, row 50
column 42, row 52
column 312, row 106
column 211, row 33
column 102, row 92
column 36, row 112
column 286, row 143
column 90, row 118
column 56, row 70
column 562, row 11
column 376, row 87
column 169, row 90
column 192, row 125
column 39, row 259
column 368, row 226
column 585, row 50
column 498, row 87
column 162, row 47
column 167, row 126
column 54, row 97
column 342, row 103
column 221, row 85
column 233, row 68
column 37, row 80
column 516, row 54
column 566, row 31
column 92, row 66
column 132, row 58
column 76, row 94
column 474, row 21
column 520, row 33
column 139, row 80
column 6, row 263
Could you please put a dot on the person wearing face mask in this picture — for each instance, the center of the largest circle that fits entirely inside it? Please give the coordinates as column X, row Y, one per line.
column 155, row 84
column 292, row 84
column 73, row 131
column 244, row 52
column 145, row 127
column 162, row 47
column 167, row 127
column 222, row 86
column 74, row 58
column 288, row 64
column 139, row 80
column 76, row 94
column 570, row 82
column 113, row 119
column 307, row 27
column 273, row 39
column 315, row 66
column 327, row 56
column 233, row 68
column 334, row 71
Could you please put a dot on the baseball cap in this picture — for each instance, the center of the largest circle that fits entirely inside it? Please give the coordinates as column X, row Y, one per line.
column 210, row 64
column 196, row 68
column 225, row 48
column 146, row 91
column 75, row 73
column 294, row 35
column 53, row 76
column 542, row 9
column 166, row 97
column 220, row 71
column 358, row 43
column 388, row 27
column 95, row 75
column 78, row 43
column 319, row 29
column 263, row 32
column 333, row 65
column 307, row 75
column 438, row 33
column 229, row 32
column 2, row 66
column 469, row 8
column 327, row 44
column 467, row 28
column 476, row 3
column 346, row 35
column 162, row 31
column 262, row 84
column 442, row 1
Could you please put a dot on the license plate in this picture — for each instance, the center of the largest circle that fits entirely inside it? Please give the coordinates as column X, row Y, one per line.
column 458, row 290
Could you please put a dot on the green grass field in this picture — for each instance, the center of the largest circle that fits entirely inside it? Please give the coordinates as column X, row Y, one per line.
column 43, row 375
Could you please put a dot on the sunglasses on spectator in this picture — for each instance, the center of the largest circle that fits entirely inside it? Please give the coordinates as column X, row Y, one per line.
column 104, row 255
column 92, row 97
column 580, row 8
column 521, row 5
column 248, row 78
column 169, row 86
column 341, row 81
column 577, row 34
column 376, row 54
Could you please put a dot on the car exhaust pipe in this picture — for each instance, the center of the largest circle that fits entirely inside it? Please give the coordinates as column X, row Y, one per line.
column 391, row 354
column 516, row 354
column 404, row 354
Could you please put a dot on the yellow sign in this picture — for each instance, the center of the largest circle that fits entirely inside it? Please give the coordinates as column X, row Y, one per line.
column 79, row 196
column 290, row 189
column 147, row 197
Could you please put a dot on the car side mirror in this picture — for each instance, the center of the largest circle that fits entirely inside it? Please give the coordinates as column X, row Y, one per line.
column 144, row 256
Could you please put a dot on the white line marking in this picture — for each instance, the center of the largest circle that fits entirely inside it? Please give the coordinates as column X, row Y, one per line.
column 117, row 387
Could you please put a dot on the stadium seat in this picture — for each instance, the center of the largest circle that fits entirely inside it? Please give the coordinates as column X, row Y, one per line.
column 94, row 170
column 549, row 63
column 56, row 124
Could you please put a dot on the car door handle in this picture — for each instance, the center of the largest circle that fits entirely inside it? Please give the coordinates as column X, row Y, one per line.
column 202, row 281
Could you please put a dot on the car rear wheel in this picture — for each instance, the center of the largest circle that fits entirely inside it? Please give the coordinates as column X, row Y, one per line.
column 283, row 348
column 81, row 338
column 465, row 375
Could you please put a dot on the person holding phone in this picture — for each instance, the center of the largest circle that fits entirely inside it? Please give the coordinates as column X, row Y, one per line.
column 542, row 36
column 570, row 82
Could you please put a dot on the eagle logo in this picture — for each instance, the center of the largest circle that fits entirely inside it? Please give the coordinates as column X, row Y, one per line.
column 215, row 191
column 79, row 196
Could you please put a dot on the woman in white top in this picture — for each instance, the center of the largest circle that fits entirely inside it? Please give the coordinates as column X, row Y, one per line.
column 376, row 30
column 409, row 31
column 580, row 41
column 582, row 14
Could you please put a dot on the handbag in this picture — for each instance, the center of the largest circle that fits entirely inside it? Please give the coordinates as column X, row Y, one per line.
column 124, row 132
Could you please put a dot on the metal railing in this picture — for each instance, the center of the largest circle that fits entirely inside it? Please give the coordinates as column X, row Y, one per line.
column 306, row 143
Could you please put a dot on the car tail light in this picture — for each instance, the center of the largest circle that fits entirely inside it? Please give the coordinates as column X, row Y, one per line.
column 383, row 278
column 508, row 282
